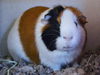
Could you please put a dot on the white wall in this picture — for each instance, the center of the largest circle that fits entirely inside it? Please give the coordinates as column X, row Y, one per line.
column 11, row 9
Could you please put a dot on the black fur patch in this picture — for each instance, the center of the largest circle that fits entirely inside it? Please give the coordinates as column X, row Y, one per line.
column 52, row 32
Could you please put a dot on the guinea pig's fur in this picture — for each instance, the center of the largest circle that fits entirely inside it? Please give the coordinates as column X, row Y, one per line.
column 50, row 36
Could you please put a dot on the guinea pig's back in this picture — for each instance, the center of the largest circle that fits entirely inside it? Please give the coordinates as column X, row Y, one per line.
column 21, row 38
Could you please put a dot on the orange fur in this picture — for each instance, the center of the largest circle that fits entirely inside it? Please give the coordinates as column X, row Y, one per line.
column 27, row 33
column 45, row 27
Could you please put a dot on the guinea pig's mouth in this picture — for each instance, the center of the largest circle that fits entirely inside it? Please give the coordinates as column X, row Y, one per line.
column 66, row 49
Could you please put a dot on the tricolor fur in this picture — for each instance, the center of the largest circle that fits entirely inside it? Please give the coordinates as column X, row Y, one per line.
column 53, row 36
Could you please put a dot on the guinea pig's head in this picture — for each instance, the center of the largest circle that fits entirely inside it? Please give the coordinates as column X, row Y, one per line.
column 63, row 28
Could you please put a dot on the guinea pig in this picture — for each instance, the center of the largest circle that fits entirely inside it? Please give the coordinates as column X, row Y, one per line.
column 51, row 36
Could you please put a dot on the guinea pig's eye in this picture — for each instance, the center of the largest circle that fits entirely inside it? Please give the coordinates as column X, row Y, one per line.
column 75, row 23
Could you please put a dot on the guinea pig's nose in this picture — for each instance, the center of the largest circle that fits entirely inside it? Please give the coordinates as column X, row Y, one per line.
column 68, row 38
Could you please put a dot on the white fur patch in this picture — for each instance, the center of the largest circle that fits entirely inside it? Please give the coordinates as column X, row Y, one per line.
column 14, row 44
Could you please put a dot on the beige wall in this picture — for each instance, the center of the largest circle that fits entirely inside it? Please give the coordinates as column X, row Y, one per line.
column 11, row 9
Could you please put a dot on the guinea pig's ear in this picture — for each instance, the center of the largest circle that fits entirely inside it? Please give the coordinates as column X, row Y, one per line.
column 45, row 19
column 52, row 14
column 56, row 11
column 82, row 20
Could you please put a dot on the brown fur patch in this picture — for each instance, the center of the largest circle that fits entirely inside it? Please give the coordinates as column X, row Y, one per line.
column 45, row 27
column 59, row 17
column 27, row 33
